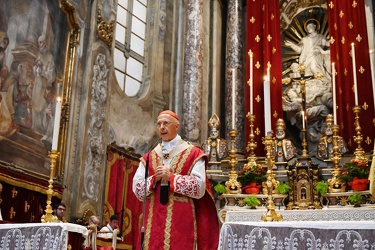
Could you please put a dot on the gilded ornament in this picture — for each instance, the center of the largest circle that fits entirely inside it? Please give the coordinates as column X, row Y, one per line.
column 257, row 65
column 368, row 140
column 105, row 30
column 258, row 98
column 341, row 14
column 365, row 106
column 332, row 40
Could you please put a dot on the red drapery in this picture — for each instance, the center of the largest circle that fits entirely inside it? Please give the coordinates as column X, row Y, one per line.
column 119, row 198
column 24, row 199
column 347, row 24
column 263, row 39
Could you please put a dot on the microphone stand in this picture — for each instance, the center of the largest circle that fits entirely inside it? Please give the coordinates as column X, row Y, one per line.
column 144, row 202
column 145, row 197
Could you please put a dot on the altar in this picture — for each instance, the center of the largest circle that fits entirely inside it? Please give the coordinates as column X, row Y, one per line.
column 51, row 236
column 312, row 235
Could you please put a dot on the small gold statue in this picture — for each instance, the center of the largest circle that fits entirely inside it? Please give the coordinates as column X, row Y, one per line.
column 284, row 150
column 325, row 145
column 215, row 147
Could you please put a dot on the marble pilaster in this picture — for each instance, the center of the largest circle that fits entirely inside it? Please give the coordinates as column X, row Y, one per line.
column 193, row 72
column 234, row 61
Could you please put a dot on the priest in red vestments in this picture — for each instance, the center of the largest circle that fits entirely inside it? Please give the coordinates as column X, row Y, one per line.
column 180, row 212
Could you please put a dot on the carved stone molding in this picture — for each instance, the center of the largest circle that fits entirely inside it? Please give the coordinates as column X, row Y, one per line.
column 95, row 147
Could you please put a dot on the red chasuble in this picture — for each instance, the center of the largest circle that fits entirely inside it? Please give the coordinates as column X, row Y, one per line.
column 184, row 222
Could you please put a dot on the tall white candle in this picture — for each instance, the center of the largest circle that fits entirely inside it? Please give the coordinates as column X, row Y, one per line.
column 56, row 125
column 372, row 75
column 334, row 93
column 233, row 99
column 303, row 119
column 354, row 76
column 251, row 82
column 267, row 106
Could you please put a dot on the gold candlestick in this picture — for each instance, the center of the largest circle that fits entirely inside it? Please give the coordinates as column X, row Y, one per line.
column 232, row 185
column 251, row 145
column 335, row 185
column 271, row 214
column 48, row 217
column 305, row 152
column 358, row 138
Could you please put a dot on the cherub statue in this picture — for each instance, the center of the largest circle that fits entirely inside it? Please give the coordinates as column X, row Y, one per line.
column 215, row 147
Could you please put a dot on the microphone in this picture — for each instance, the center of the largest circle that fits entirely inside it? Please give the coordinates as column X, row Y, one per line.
column 164, row 192
column 164, row 189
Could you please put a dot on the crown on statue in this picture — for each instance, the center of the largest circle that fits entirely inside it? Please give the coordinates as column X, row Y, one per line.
column 214, row 122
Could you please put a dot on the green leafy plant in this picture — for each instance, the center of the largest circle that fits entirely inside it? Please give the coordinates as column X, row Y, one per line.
column 283, row 188
column 355, row 168
column 322, row 187
column 251, row 201
column 253, row 174
column 355, row 198
column 220, row 188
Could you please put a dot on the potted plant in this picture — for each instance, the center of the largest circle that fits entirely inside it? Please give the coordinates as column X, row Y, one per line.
column 355, row 199
column 321, row 187
column 252, row 201
column 251, row 178
column 355, row 173
column 282, row 188
column 220, row 189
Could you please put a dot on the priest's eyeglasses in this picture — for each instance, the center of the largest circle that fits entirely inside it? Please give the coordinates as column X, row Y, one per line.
column 165, row 124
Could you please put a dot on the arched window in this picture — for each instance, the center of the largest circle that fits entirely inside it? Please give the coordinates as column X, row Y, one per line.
column 129, row 54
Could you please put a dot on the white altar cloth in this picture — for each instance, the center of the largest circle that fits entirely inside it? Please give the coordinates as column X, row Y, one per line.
column 311, row 235
column 51, row 236
column 347, row 213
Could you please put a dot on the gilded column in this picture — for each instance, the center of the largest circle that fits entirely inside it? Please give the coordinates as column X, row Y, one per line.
column 193, row 71
column 234, row 73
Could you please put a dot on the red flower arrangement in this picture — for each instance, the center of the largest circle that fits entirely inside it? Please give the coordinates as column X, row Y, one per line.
column 252, row 176
column 357, row 168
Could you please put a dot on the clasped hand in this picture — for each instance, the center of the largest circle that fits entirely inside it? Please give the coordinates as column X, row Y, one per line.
column 162, row 173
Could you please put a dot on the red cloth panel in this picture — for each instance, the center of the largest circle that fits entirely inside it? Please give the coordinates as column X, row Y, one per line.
column 347, row 25
column 263, row 39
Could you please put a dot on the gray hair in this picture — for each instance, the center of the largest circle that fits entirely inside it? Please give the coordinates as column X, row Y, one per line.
column 93, row 218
